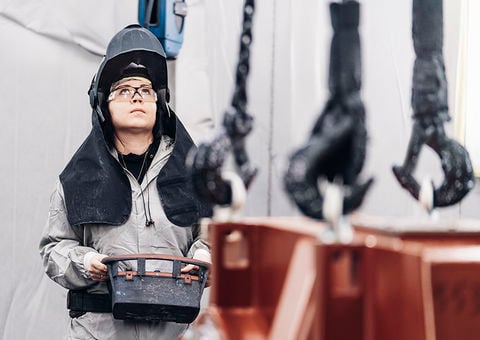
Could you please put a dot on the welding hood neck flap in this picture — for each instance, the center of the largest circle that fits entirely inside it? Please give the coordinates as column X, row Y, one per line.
column 97, row 190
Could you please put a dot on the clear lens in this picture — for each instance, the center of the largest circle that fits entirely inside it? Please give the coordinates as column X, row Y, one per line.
column 127, row 93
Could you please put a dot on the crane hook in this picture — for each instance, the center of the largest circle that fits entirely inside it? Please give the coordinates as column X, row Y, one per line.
column 430, row 106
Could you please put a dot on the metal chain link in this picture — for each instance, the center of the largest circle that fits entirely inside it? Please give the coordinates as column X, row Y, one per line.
column 206, row 164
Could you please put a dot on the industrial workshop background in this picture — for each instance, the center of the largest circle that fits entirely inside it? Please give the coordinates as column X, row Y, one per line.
column 50, row 51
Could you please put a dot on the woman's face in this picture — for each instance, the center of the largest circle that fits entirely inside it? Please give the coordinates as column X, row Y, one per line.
column 132, row 106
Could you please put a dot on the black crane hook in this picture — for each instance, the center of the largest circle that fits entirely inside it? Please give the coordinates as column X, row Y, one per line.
column 337, row 145
column 206, row 162
column 430, row 107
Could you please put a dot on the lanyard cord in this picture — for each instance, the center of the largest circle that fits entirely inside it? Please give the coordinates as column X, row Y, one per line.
column 142, row 174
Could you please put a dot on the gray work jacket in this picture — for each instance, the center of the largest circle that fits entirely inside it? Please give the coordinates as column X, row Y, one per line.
column 63, row 248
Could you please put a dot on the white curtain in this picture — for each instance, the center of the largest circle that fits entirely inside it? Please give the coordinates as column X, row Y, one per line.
column 50, row 52
column 469, row 83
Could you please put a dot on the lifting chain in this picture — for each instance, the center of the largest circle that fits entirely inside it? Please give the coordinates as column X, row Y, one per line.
column 430, row 111
column 206, row 164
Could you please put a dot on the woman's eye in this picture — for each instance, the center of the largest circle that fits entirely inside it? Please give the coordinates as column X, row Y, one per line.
column 146, row 92
column 124, row 92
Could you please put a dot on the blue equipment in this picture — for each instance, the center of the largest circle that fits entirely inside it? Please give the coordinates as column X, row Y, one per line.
column 165, row 19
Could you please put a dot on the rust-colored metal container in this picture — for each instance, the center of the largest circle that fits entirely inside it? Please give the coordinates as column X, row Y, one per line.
column 398, row 279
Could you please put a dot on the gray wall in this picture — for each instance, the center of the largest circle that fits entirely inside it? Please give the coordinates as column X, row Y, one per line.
column 50, row 50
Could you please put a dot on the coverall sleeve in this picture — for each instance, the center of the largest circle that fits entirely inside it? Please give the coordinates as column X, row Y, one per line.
column 61, row 247
column 198, row 242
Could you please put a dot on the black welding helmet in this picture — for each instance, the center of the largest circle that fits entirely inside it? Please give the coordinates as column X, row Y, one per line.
column 132, row 47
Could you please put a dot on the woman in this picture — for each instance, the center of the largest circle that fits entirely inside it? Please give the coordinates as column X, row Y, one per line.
column 125, row 190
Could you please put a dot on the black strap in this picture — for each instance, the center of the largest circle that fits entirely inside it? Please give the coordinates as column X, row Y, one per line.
column 79, row 302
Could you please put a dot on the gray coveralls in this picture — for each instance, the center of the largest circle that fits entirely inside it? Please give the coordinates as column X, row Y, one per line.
column 63, row 248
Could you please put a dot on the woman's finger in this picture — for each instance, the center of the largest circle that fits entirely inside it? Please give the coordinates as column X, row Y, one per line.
column 189, row 267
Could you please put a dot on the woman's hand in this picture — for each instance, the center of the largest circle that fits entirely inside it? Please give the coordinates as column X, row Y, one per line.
column 200, row 254
column 94, row 266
